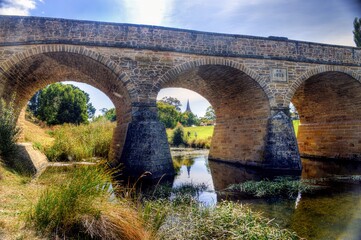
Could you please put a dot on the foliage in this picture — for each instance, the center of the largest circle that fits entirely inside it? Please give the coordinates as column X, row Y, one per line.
column 81, row 142
column 62, row 103
column 189, row 119
column 210, row 114
column 110, row 114
column 167, row 114
column 173, row 102
column 357, row 31
column 80, row 208
column 9, row 132
column 178, row 136
column 280, row 187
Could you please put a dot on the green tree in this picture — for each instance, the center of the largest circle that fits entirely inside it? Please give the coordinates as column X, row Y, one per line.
column 210, row 114
column 357, row 31
column 109, row 114
column 172, row 101
column 178, row 136
column 188, row 119
column 167, row 114
column 62, row 103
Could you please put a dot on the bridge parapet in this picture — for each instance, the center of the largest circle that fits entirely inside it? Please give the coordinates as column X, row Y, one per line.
column 37, row 30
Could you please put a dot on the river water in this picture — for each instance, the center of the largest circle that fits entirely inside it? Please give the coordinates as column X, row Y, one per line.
column 334, row 213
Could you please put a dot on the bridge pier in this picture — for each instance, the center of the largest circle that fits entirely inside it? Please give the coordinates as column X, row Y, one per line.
column 146, row 147
column 281, row 150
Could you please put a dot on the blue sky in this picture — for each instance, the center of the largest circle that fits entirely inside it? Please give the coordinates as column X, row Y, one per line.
column 325, row 21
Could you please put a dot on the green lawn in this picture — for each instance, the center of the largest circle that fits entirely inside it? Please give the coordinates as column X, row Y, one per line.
column 203, row 132
column 295, row 126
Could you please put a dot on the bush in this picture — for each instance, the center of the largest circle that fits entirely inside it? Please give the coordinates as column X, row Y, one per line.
column 76, row 143
column 199, row 143
column 178, row 136
column 80, row 208
column 9, row 132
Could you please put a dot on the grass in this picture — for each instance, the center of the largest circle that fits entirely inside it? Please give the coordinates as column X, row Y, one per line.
column 39, row 136
column 69, row 203
column 82, row 142
column 79, row 207
column 296, row 123
column 280, row 187
column 227, row 220
column 202, row 132
column 201, row 136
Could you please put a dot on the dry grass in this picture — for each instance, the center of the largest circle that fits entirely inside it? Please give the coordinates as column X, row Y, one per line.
column 37, row 135
column 120, row 221
column 17, row 193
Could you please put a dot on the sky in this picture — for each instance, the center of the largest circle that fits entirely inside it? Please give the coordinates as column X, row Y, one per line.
column 323, row 21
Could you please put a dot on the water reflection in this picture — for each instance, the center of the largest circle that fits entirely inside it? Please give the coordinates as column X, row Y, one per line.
column 196, row 173
column 331, row 214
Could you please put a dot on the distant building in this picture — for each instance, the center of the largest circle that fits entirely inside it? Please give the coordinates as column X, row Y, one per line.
column 188, row 109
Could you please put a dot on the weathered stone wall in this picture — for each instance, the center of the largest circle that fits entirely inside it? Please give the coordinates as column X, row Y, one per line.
column 34, row 30
column 329, row 105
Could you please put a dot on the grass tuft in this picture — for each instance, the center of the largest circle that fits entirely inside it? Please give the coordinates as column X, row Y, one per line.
column 227, row 220
column 283, row 187
column 85, row 141
column 80, row 207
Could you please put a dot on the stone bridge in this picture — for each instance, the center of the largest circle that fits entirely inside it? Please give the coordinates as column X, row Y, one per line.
column 250, row 82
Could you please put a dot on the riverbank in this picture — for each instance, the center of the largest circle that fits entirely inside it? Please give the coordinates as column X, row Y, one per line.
column 19, row 195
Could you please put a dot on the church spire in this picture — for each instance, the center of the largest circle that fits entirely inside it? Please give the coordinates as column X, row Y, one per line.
column 188, row 109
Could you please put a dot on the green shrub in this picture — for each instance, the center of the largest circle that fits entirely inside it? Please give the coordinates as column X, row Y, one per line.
column 9, row 132
column 178, row 136
column 79, row 142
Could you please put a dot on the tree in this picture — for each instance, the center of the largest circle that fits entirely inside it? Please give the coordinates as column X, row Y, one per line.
column 167, row 114
column 210, row 114
column 178, row 136
column 357, row 31
column 188, row 119
column 172, row 101
column 60, row 103
column 109, row 114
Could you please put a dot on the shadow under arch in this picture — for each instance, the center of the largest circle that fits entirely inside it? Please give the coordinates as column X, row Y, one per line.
column 241, row 104
column 328, row 100
column 30, row 74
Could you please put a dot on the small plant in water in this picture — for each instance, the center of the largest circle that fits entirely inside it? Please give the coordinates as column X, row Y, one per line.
column 283, row 187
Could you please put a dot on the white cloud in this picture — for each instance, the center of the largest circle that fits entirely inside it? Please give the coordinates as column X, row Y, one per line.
column 17, row 7
column 147, row 12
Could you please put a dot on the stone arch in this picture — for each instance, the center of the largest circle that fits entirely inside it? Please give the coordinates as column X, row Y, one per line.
column 171, row 74
column 239, row 97
column 31, row 70
column 314, row 71
column 81, row 50
column 328, row 100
